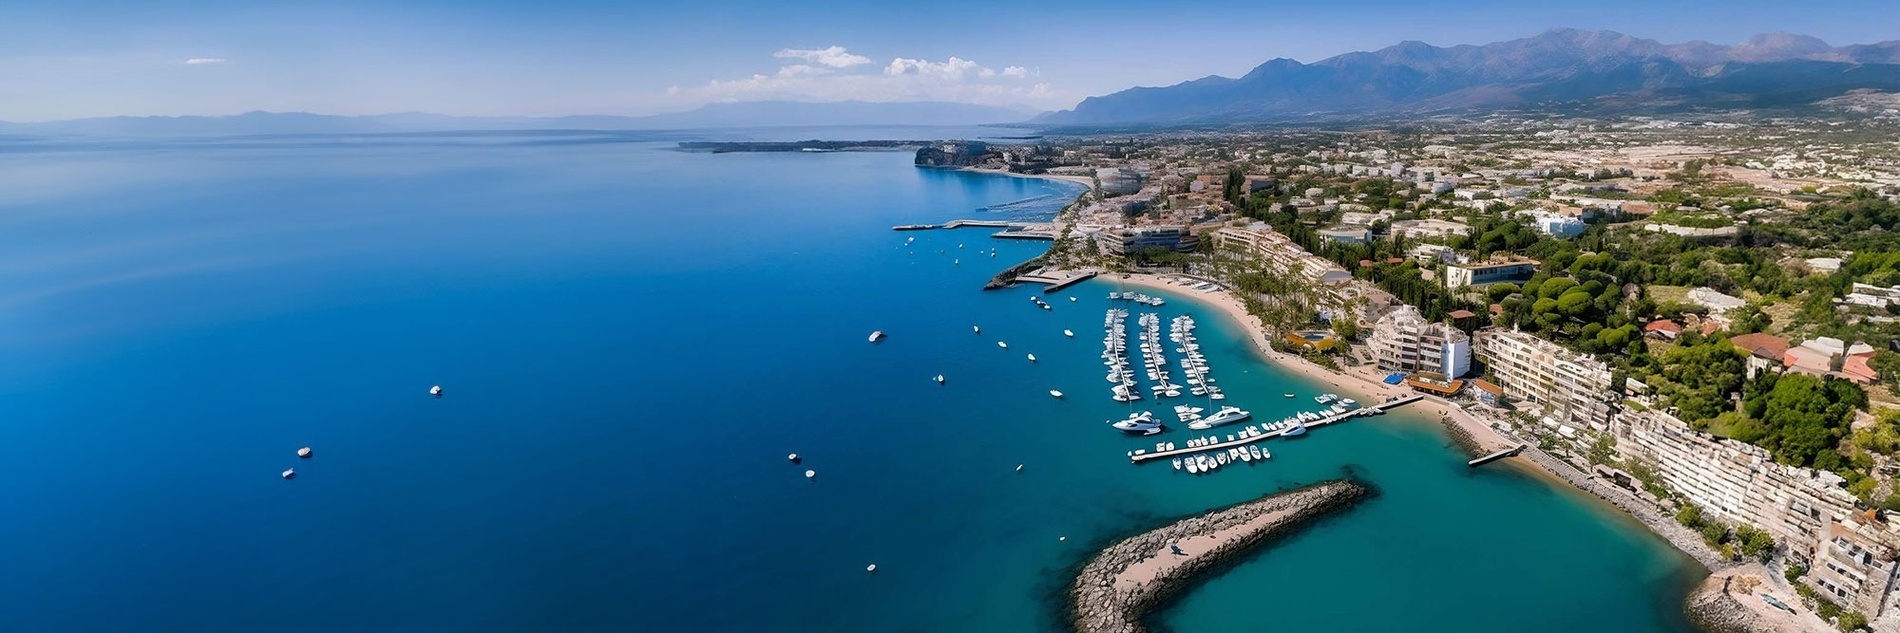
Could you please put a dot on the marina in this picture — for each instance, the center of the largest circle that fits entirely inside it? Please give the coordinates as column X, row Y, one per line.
column 1238, row 440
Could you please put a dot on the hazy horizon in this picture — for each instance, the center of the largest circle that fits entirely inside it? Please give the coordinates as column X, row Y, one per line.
column 99, row 59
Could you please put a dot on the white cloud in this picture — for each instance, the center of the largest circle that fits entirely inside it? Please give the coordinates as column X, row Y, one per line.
column 834, row 56
column 828, row 77
column 196, row 61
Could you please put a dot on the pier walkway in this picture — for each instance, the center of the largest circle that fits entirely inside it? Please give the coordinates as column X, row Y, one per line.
column 1221, row 446
column 1509, row 452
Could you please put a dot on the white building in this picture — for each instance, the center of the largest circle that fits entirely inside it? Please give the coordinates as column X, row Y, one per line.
column 1262, row 240
column 1404, row 341
column 1559, row 225
column 1737, row 481
column 1571, row 386
column 1716, row 302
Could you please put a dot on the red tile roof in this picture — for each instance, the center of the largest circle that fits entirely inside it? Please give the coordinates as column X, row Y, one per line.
column 1762, row 344
column 1671, row 327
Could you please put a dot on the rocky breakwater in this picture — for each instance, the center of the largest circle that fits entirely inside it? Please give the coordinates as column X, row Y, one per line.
column 1126, row 581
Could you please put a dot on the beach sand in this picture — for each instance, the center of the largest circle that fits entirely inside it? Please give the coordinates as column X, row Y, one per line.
column 1361, row 384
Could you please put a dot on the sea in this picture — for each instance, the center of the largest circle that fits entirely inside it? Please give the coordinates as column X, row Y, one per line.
column 631, row 340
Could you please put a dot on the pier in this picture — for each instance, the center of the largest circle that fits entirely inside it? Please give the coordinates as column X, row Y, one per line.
column 1055, row 279
column 1221, row 446
column 1509, row 452
column 957, row 224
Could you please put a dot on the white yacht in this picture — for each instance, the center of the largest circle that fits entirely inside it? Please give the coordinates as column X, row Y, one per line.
column 1055, row 393
column 1177, row 463
column 1194, row 466
column 1068, row 333
column 1255, row 450
column 436, row 391
column 939, row 379
column 976, row 329
column 1002, row 345
column 1032, row 358
column 1143, row 423
column 877, row 336
column 1223, row 416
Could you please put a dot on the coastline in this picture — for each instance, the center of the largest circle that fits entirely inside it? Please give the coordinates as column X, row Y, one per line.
column 1353, row 384
column 1477, row 435
column 1080, row 180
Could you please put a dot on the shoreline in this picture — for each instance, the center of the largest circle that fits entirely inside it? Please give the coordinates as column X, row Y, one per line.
column 1457, row 421
column 1080, row 180
column 1347, row 382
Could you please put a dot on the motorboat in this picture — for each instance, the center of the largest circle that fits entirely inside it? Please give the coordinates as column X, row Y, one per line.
column 1194, row 466
column 1298, row 429
column 1220, row 417
column 1032, row 358
column 1177, row 463
column 1143, row 423
column 1068, row 333
column 1002, row 345
column 939, row 379
column 1257, row 453
column 976, row 329
column 877, row 336
column 1055, row 393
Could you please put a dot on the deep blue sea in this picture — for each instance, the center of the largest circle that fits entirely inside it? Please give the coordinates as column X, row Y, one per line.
column 632, row 339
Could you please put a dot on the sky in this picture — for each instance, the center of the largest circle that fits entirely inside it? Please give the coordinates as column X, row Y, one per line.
column 90, row 58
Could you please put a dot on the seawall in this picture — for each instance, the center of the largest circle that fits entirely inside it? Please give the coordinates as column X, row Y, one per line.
column 1129, row 579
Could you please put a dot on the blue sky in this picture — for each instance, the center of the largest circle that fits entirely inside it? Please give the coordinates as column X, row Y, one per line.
column 79, row 58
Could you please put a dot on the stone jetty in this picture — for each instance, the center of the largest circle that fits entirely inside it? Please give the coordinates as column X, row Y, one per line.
column 1130, row 578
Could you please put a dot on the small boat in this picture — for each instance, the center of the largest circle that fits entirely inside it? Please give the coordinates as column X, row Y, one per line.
column 1221, row 457
column 1071, row 299
column 1194, row 466
column 304, row 452
column 1055, row 393
column 794, row 458
column 1032, row 358
column 1298, row 428
column 939, row 379
column 1255, row 451
column 290, row 473
column 1289, row 395
column 978, row 329
column 877, row 336
column 811, row 474
column 436, row 391
column 1243, row 454
column 1177, row 463
column 1019, row 468
column 1068, row 333
column 1002, row 345
column 871, row 568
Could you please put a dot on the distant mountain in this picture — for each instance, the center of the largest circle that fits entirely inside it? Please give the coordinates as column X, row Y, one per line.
column 719, row 115
column 1585, row 69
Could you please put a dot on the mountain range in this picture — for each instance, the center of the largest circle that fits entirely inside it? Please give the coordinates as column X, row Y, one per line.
column 716, row 115
column 1588, row 70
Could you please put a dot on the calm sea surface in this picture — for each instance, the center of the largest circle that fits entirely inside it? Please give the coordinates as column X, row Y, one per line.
column 632, row 339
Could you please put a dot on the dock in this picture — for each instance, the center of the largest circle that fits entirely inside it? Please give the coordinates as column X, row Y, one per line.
column 1221, row 446
column 1053, row 280
column 1509, row 452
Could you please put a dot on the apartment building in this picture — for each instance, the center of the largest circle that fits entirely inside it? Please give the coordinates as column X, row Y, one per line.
column 1572, row 387
column 1737, row 481
column 1404, row 341
column 1262, row 240
column 1855, row 564
column 1461, row 275
column 1122, row 241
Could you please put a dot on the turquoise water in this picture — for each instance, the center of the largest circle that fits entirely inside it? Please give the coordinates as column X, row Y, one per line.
column 632, row 339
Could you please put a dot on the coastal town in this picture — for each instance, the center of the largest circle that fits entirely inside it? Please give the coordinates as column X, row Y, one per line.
column 1694, row 319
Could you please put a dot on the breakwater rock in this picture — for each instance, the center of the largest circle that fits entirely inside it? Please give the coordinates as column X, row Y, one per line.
column 1713, row 609
column 1130, row 578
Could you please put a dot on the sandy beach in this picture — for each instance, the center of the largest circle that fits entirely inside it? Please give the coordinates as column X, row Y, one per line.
column 1080, row 180
column 1354, row 382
